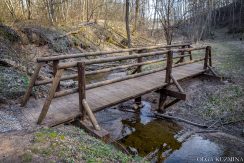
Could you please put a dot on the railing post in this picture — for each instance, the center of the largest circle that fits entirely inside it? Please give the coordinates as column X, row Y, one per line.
column 139, row 69
column 210, row 56
column 189, row 46
column 82, row 86
column 31, row 84
column 169, row 66
column 182, row 53
column 206, row 58
column 55, row 69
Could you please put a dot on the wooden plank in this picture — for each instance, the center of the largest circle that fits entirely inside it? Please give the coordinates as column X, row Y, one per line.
column 32, row 83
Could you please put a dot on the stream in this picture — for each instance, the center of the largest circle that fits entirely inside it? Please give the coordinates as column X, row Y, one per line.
column 155, row 139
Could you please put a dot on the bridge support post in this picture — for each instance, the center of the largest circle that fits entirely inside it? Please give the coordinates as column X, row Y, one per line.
column 82, row 86
column 169, row 66
column 162, row 100
column 206, row 58
column 189, row 46
column 55, row 69
column 31, row 84
column 50, row 96
column 138, row 70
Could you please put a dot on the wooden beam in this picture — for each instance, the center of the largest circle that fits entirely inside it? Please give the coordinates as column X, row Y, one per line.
column 182, row 58
column 189, row 46
column 213, row 72
column 189, row 62
column 162, row 100
column 178, row 95
column 55, row 69
column 90, row 115
column 111, row 59
column 62, row 57
column 176, row 83
column 139, row 70
column 88, row 127
column 169, row 66
column 206, row 58
column 210, row 56
column 171, row 103
column 31, row 84
column 189, row 49
column 74, row 76
column 81, row 86
column 50, row 96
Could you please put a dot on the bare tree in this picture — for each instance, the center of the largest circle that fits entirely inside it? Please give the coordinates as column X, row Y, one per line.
column 127, row 22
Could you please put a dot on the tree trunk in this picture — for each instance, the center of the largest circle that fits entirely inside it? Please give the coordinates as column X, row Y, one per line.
column 127, row 15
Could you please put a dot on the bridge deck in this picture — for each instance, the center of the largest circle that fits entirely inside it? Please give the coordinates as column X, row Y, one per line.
column 66, row 108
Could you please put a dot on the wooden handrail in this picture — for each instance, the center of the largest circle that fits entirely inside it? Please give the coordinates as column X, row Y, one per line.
column 73, row 76
column 62, row 57
column 111, row 59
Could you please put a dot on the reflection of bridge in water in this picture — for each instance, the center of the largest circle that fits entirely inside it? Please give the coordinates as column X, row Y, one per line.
column 155, row 137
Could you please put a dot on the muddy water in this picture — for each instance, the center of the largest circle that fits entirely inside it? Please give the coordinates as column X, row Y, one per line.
column 158, row 140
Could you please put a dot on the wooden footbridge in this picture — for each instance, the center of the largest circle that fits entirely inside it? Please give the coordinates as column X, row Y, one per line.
column 174, row 63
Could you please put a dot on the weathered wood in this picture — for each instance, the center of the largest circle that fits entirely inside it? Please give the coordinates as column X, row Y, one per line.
column 189, row 49
column 50, row 96
column 213, row 72
column 206, row 58
column 162, row 100
column 74, row 76
column 179, row 119
column 61, row 57
column 55, row 69
column 88, row 127
column 169, row 66
column 81, row 86
column 67, row 108
column 112, row 59
column 171, row 103
column 189, row 46
column 210, row 56
column 31, row 84
column 139, row 70
column 178, row 95
column 189, row 62
column 182, row 58
column 90, row 115
column 176, row 83
column 106, row 82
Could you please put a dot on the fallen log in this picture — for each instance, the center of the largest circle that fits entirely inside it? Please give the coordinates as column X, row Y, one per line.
column 158, row 115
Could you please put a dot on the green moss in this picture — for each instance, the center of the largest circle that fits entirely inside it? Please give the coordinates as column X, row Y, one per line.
column 75, row 146
column 27, row 157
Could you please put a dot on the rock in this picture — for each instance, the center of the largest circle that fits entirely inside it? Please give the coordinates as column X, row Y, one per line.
column 133, row 151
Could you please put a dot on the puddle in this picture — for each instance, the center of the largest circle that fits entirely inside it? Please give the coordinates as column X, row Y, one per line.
column 158, row 140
